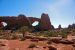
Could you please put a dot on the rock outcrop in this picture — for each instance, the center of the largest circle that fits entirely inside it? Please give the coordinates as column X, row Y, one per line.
column 45, row 23
column 22, row 20
column 71, row 26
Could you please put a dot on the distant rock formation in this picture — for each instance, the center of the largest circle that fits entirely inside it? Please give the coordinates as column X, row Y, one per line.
column 22, row 20
column 59, row 27
column 71, row 26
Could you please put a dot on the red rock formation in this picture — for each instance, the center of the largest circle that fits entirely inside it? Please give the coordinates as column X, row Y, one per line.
column 8, row 20
column 32, row 19
column 45, row 23
column 59, row 27
column 22, row 20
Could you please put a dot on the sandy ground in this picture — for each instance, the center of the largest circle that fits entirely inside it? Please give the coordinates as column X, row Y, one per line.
column 23, row 45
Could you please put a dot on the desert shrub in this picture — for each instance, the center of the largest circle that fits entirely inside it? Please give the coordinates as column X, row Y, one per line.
column 22, row 39
column 52, row 33
column 73, row 30
column 23, row 30
column 49, row 42
column 55, row 33
column 1, row 32
column 14, row 36
column 32, row 45
column 2, row 37
column 46, row 36
column 64, row 33
column 49, row 33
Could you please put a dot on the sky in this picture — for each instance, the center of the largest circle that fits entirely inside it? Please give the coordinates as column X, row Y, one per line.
column 60, row 11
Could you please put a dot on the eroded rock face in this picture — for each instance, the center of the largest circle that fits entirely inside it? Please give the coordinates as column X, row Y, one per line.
column 71, row 26
column 32, row 19
column 22, row 20
column 15, row 22
column 45, row 23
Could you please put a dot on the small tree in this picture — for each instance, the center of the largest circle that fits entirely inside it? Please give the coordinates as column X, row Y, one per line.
column 23, row 30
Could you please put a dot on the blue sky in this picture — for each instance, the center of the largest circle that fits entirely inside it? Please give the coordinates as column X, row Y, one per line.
column 60, row 11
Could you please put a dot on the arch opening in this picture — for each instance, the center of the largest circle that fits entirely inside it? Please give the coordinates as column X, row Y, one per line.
column 35, row 23
column 4, row 24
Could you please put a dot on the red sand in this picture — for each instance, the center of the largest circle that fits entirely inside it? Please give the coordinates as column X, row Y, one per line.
column 23, row 45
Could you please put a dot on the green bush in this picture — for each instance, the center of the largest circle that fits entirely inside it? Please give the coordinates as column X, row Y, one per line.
column 64, row 33
column 52, row 33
